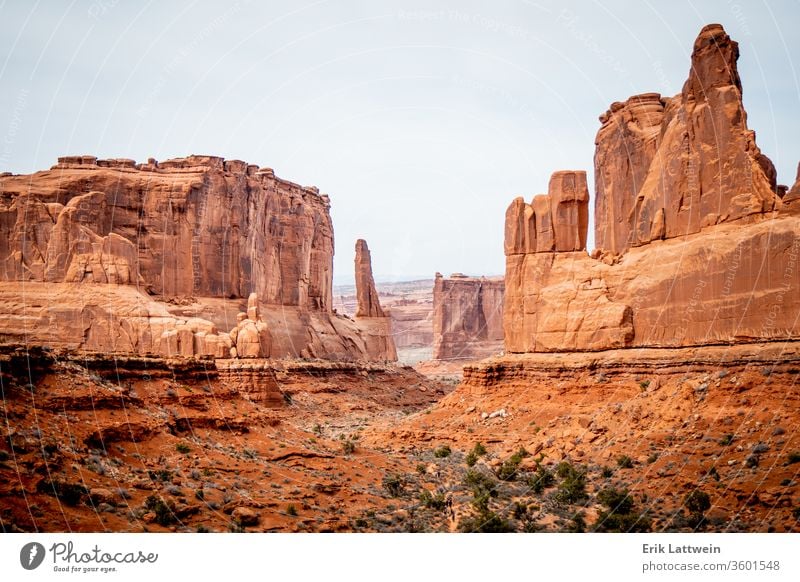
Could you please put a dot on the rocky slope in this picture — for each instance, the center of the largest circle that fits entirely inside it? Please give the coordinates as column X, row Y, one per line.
column 154, row 444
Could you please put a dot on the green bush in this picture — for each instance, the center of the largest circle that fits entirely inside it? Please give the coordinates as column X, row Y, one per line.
column 442, row 452
column 620, row 514
column 164, row 512
column 394, row 484
column 697, row 501
column 483, row 488
column 541, row 479
column 624, row 462
column 572, row 488
column 182, row 448
column 726, row 440
column 508, row 470
column 485, row 522
column 479, row 449
column 431, row 501
column 348, row 447
column 69, row 493
column 616, row 500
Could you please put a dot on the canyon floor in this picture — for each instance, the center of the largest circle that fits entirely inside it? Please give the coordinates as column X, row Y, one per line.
column 700, row 440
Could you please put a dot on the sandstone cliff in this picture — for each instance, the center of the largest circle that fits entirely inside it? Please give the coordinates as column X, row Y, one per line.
column 185, row 232
column 667, row 167
column 709, row 249
column 467, row 317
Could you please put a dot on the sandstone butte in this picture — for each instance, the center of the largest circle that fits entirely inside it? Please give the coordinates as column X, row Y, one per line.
column 467, row 317
column 696, row 243
column 193, row 257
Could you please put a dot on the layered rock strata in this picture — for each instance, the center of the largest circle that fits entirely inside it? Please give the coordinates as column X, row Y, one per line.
column 667, row 167
column 694, row 244
column 117, row 249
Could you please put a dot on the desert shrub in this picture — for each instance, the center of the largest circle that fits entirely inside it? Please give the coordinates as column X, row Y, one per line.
column 483, row 488
column 164, row 511
column 69, row 493
column 624, row 462
column 606, row 472
column 572, row 488
column 620, row 514
column 394, row 484
column 726, row 440
column 509, row 468
column 431, row 500
column 291, row 510
column 616, row 500
column 421, row 468
column 541, row 479
column 697, row 502
column 442, row 452
column 477, row 452
column 485, row 522
column 479, row 449
column 182, row 448
column 348, row 447
column 160, row 475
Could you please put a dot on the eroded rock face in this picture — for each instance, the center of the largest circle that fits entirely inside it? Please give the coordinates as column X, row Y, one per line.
column 376, row 326
column 369, row 304
column 667, row 167
column 557, row 221
column 467, row 317
column 195, row 226
column 158, row 258
column 251, row 337
column 695, row 247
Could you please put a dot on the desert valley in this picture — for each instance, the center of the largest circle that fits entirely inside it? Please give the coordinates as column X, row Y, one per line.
column 174, row 355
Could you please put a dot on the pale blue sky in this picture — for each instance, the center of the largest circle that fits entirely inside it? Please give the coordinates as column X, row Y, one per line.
column 422, row 120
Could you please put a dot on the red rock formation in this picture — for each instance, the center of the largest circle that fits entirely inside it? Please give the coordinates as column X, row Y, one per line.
column 467, row 317
column 376, row 326
column 667, row 167
column 369, row 304
column 556, row 221
column 793, row 195
column 199, row 226
column 198, row 233
column 251, row 337
column 665, row 170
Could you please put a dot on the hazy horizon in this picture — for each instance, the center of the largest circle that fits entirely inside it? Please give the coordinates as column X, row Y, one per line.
column 422, row 123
